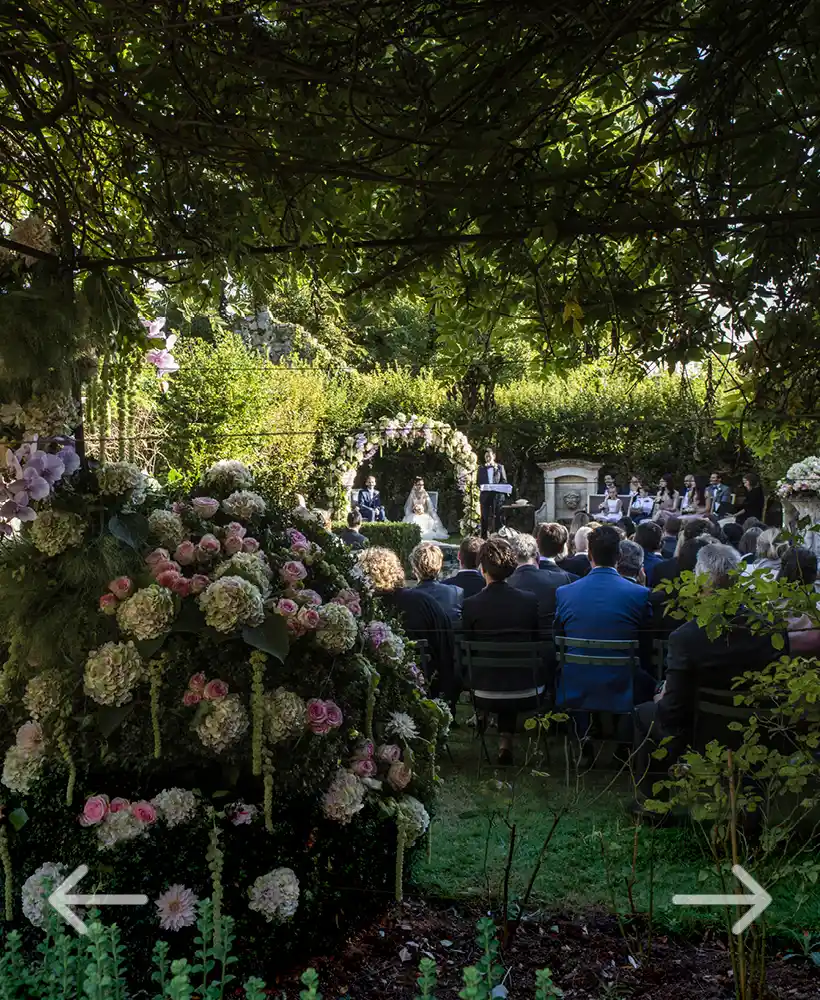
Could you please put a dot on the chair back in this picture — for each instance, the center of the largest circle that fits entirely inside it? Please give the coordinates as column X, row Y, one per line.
column 423, row 656
column 433, row 494
column 502, row 667
column 660, row 650
column 715, row 708
column 601, row 680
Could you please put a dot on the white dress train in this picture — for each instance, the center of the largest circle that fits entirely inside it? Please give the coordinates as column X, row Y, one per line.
column 428, row 520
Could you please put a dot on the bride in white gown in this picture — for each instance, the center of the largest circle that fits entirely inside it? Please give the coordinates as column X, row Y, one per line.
column 418, row 510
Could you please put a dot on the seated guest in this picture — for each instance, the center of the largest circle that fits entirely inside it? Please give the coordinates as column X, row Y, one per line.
column 798, row 565
column 769, row 553
column 612, row 508
column 351, row 535
column 732, row 533
column 668, row 569
column 543, row 583
column 426, row 561
column 420, row 615
column 648, row 535
column 671, row 529
column 627, row 526
column 753, row 502
column 604, row 606
column 718, row 496
column 580, row 519
column 552, row 545
column 641, row 504
column 501, row 613
column 748, row 544
column 630, row 562
column 695, row 660
column 469, row 577
column 694, row 502
column 663, row 623
column 369, row 502
column 667, row 499
column 578, row 564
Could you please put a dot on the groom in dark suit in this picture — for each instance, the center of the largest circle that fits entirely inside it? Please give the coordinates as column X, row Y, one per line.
column 369, row 502
column 490, row 474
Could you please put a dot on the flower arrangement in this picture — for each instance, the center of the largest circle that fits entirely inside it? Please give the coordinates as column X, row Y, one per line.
column 802, row 480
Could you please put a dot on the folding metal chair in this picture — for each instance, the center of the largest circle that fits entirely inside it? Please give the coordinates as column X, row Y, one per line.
column 660, row 650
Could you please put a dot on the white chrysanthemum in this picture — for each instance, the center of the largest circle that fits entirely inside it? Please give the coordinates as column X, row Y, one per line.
column 228, row 475
column 54, row 531
column 175, row 806
column 284, row 715
column 43, row 694
column 38, row 887
column 412, row 819
column 344, row 798
column 176, row 908
column 337, row 632
column 166, row 527
column 244, row 505
column 120, row 477
column 223, row 724
column 445, row 717
column 148, row 613
column 118, row 827
column 112, row 672
column 21, row 768
column 275, row 895
column 251, row 566
column 400, row 724
column 232, row 601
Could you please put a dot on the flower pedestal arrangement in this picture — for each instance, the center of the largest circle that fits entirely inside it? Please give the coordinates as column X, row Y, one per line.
column 801, row 488
column 205, row 702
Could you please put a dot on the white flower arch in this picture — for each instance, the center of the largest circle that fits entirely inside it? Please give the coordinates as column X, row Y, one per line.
column 401, row 430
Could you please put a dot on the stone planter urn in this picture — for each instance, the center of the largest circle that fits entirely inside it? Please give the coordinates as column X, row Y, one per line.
column 809, row 507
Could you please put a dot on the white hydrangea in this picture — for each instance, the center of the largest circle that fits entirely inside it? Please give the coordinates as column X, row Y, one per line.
column 112, row 672
column 175, row 806
column 275, row 895
column 223, row 724
column 338, row 631
column 251, row 566
column 117, row 478
column 802, row 479
column 43, row 694
column 54, row 531
column 167, row 528
column 232, row 601
column 228, row 474
column 21, row 769
column 284, row 715
column 118, row 827
column 412, row 819
column 148, row 613
column 400, row 724
column 344, row 798
column 244, row 505
column 38, row 887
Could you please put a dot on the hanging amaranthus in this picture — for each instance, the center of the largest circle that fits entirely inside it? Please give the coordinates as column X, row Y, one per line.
column 155, row 674
column 258, row 661
column 103, row 406
column 122, row 409
column 65, row 750
column 130, row 414
column 8, row 887
column 267, row 801
column 216, row 860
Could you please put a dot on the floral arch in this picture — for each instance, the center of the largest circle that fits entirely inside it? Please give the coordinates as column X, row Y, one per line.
column 401, row 430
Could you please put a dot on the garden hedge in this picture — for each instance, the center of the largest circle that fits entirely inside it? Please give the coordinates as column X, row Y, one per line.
column 396, row 535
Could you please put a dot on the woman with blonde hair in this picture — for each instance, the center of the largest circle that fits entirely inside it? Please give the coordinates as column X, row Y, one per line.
column 770, row 553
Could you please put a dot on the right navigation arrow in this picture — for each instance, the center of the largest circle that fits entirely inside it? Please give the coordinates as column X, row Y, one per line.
column 757, row 902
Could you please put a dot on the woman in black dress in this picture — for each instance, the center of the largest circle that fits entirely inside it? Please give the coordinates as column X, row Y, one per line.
column 753, row 504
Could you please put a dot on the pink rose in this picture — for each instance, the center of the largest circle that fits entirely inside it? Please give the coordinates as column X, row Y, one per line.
column 199, row 582
column 295, row 628
column 157, row 556
column 310, row 618
column 185, row 553
column 120, row 805
column 317, row 718
column 355, row 609
column 209, row 544
column 108, row 604
column 309, row 597
column 300, row 551
column 232, row 545
column 121, row 588
column 165, row 566
column 236, row 530
column 205, row 507
column 197, row 682
column 320, row 728
column 297, row 538
column 215, row 689
column 293, row 571
column 94, row 810
column 144, row 812
column 286, row 607
column 399, row 776
column 334, row 714
column 191, row 698
column 181, row 586
column 364, row 751
column 250, row 545
column 168, row 578
column 388, row 753
column 364, row 767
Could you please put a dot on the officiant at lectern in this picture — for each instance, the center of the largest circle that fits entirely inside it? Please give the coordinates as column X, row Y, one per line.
column 492, row 482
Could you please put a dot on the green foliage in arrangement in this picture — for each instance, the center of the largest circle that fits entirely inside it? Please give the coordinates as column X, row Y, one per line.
column 401, row 538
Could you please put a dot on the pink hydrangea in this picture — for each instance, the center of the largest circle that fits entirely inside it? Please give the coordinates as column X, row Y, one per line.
column 185, row 553
column 120, row 805
column 232, row 545
column 144, row 812
column 215, row 689
column 205, row 507
column 199, row 583
column 310, row 618
column 293, row 571
column 108, row 604
column 250, row 545
column 286, row 607
column 95, row 810
column 121, row 588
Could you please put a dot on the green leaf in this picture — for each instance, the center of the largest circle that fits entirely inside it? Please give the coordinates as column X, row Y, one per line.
column 149, row 647
column 777, row 640
column 111, row 718
column 190, row 619
column 18, row 818
column 271, row 637
column 131, row 529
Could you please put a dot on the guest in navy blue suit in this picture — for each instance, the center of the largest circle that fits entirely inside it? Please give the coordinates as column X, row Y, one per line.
column 649, row 536
column 426, row 561
column 603, row 605
column 469, row 577
column 669, row 542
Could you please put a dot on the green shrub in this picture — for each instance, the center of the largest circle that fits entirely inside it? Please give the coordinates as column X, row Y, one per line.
column 396, row 535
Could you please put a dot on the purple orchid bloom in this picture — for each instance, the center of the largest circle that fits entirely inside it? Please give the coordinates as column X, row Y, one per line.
column 70, row 459
column 361, row 441
column 155, row 328
column 163, row 360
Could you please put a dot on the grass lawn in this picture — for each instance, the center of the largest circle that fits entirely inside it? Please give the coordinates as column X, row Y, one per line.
column 589, row 862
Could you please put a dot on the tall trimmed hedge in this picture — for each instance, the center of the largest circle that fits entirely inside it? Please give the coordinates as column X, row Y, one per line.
column 396, row 535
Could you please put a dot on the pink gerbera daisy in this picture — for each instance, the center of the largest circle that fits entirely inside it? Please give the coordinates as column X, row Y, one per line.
column 177, row 908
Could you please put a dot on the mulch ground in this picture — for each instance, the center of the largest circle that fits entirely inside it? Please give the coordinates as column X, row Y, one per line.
column 588, row 956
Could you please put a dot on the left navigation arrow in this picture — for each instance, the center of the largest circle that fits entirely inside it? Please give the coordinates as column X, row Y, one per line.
column 62, row 900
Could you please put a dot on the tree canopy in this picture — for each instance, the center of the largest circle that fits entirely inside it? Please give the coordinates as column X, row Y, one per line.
column 638, row 175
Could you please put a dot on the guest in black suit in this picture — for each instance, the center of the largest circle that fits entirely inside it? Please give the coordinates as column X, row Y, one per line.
column 695, row 660
column 671, row 529
column 668, row 569
column 469, row 577
column 501, row 613
column 351, row 535
column 664, row 625
column 732, row 533
column 490, row 474
column 369, row 502
column 578, row 564
column 420, row 615
column 426, row 561
column 552, row 539
column 541, row 582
